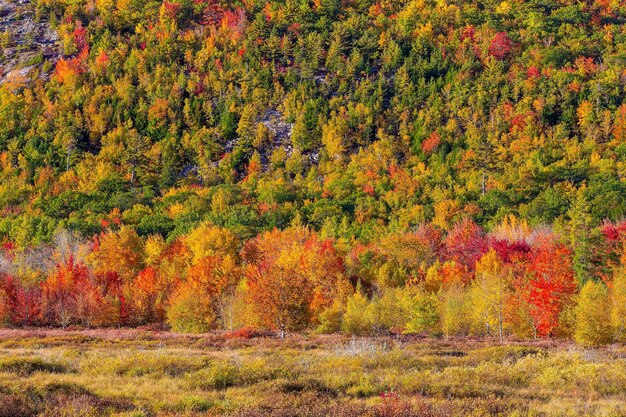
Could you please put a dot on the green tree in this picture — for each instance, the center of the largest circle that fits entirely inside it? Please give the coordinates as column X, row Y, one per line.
column 580, row 230
column 134, row 155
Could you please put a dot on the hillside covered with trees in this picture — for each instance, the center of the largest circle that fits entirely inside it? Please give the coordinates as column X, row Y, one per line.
column 341, row 165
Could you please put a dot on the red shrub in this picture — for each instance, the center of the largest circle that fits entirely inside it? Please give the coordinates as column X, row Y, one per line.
column 244, row 333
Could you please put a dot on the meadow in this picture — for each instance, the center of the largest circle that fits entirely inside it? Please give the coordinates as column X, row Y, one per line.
column 148, row 373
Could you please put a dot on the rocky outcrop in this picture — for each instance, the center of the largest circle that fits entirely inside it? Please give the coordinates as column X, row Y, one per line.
column 281, row 130
column 26, row 42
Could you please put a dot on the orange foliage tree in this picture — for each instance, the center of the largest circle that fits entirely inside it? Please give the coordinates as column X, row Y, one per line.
column 116, row 259
column 292, row 276
column 69, row 296
column 149, row 296
column 193, row 306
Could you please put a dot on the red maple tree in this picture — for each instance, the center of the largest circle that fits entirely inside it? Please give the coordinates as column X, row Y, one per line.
column 551, row 285
column 500, row 46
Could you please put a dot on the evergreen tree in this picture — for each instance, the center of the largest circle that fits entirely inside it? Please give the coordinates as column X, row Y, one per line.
column 580, row 230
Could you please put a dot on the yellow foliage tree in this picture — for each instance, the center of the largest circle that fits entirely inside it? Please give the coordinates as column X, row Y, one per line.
column 194, row 307
column 355, row 319
column 488, row 294
column 618, row 305
column 120, row 251
column 209, row 240
column 154, row 247
column 593, row 326
column 454, row 311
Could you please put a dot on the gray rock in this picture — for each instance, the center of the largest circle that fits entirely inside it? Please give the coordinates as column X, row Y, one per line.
column 27, row 43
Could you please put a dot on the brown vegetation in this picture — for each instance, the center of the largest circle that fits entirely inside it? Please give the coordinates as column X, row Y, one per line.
column 149, row 373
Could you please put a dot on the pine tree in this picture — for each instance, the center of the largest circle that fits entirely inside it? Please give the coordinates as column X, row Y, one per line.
column 134, row 154
column 170, row 163
column 580, row 238
column 246, row 127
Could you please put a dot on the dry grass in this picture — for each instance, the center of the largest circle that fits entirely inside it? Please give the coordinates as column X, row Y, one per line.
column 144, row 373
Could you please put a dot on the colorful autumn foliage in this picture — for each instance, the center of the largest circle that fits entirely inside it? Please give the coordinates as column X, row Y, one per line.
column 500, row 46
column 511, row 281
column 356, row 118
column 292, row 277
column 431, row 143
column 230, row 164
column 69, row 296
column 551, row 285
column 593, row 324
column 465, row 243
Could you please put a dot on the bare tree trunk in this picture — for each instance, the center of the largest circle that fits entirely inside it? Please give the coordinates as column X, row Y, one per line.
column 484, row 185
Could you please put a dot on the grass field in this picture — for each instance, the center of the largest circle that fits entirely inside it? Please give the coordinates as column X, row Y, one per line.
column 143, row 373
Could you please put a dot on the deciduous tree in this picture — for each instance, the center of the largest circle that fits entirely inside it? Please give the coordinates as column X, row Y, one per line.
column 292, row 277
column 593, row 324
column 551, row 285
column 488, row 295
column 69, row 296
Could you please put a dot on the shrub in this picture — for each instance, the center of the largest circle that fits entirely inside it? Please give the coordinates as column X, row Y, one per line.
column 247, row 332
column 12, row 405
column 366, row 387
column 387, row 314
column 218, row 377
column 28, row 366
column 355, row 320
column 136, row 364
column 299, row 386
column 331, row 318
column 195, row 403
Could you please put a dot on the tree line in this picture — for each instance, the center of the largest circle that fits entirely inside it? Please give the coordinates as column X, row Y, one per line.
column 513, row 282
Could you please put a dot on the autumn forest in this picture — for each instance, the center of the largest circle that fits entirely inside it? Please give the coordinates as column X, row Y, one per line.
column 339, row 166
column 384, row 208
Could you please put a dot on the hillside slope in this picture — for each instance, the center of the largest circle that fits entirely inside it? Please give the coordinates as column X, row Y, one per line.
column 356, row 117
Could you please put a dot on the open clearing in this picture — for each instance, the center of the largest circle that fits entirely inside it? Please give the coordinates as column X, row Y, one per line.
column 144, row 373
